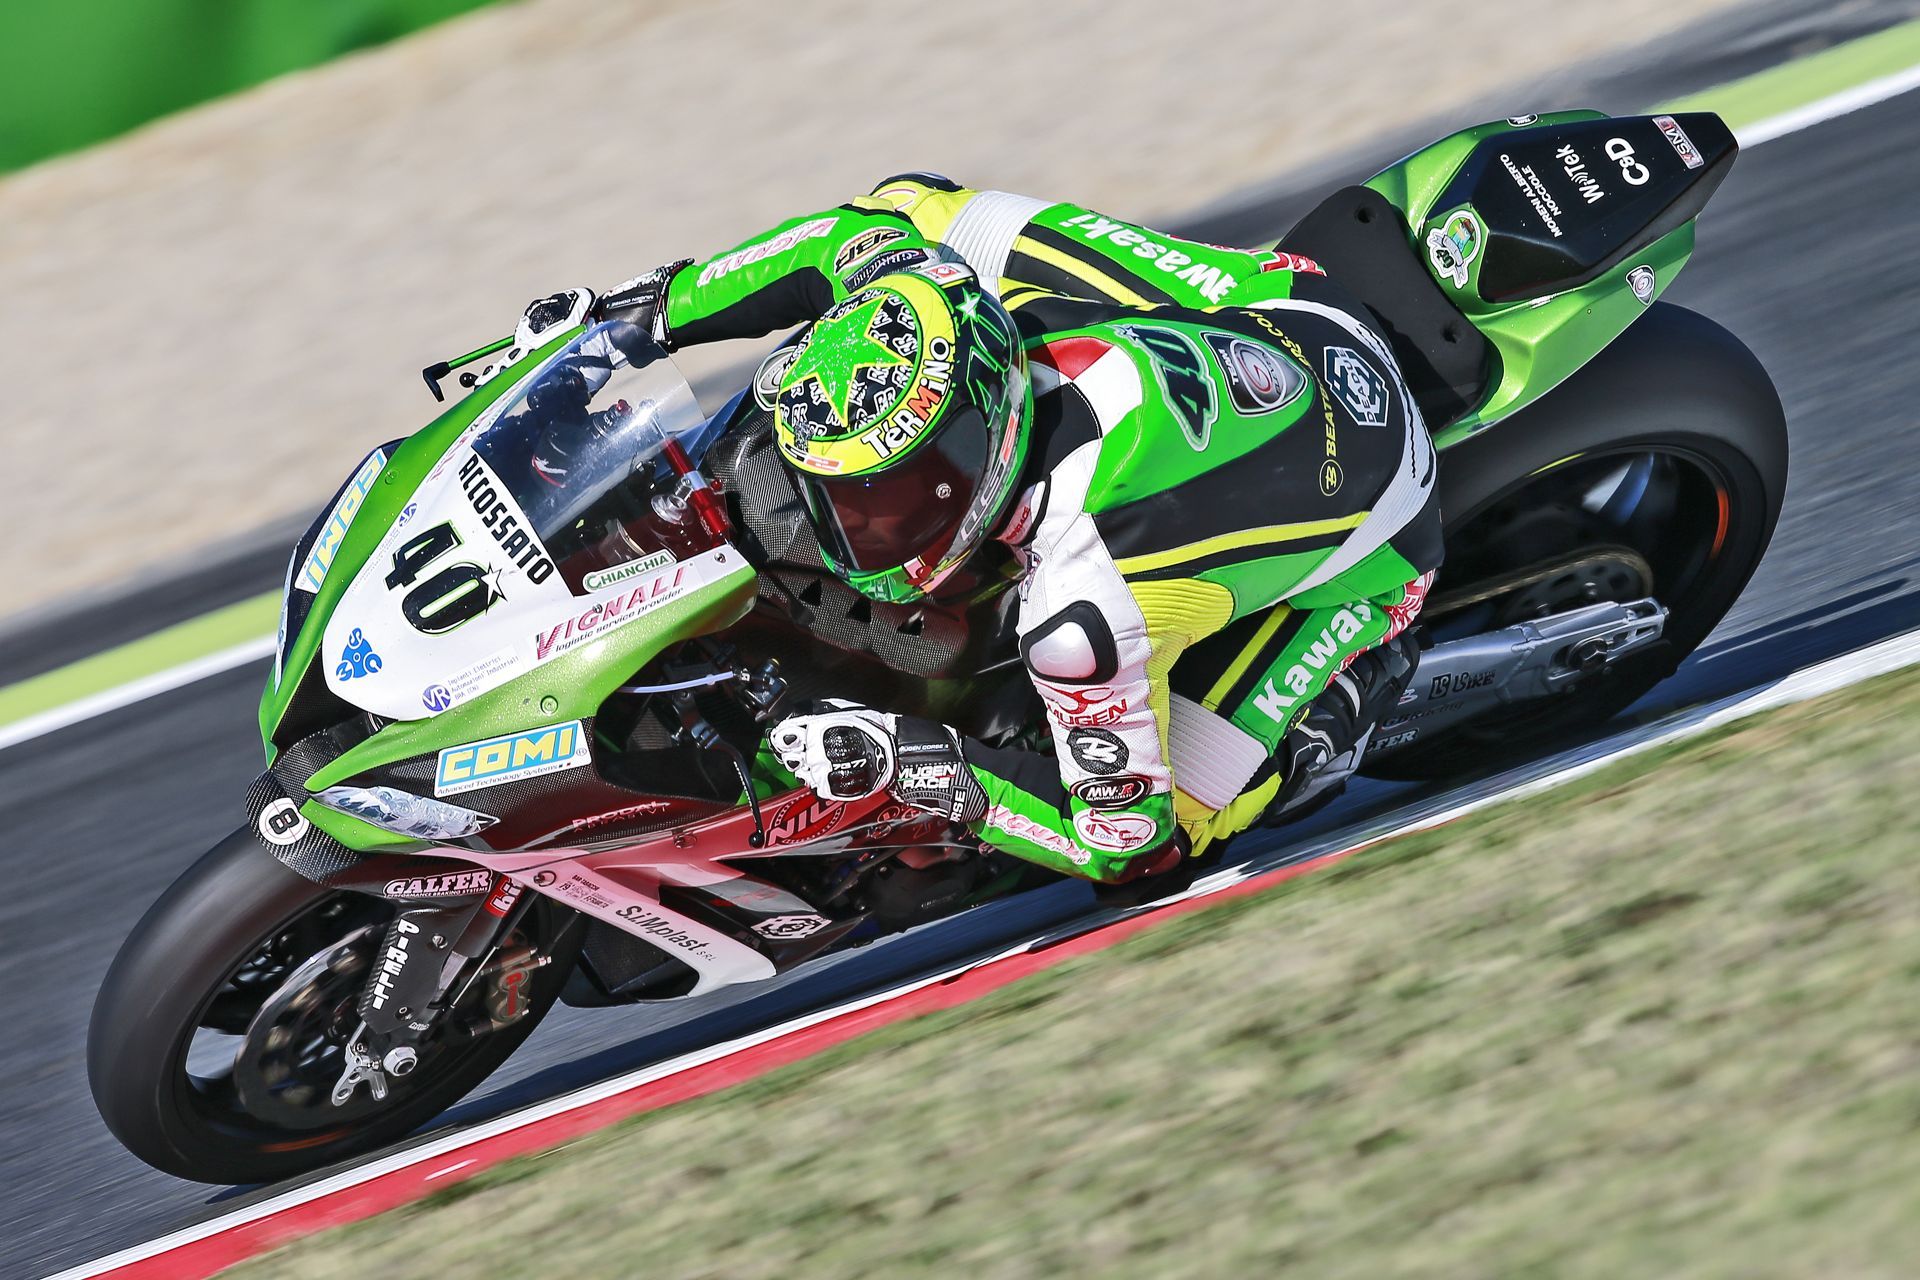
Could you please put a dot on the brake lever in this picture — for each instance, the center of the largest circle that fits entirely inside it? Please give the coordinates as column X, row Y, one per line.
column 433, row 373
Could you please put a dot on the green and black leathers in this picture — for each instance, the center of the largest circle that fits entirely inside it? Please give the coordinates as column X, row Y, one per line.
column 1229, row 495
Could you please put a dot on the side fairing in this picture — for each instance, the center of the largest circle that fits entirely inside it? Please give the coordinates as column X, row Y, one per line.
column 546, row 702
column 429, row 628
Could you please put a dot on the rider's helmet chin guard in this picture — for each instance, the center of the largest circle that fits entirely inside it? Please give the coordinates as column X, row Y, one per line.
column 904, row 416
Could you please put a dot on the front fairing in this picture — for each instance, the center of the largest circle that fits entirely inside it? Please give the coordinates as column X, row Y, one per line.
column 328, row 559
column 547, row 649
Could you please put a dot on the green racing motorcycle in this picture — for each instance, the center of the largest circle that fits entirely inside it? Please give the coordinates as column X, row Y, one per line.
column 515, row 722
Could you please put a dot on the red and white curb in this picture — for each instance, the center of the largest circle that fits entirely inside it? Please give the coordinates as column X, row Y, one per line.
column 408, row 1175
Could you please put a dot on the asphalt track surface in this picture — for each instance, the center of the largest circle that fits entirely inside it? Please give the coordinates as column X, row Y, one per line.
column 1808, row 253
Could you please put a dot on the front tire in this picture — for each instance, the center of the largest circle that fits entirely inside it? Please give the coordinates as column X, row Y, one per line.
column 210, row 952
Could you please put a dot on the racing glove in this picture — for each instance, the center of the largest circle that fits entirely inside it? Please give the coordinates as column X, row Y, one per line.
column 848, row 752
column 545, row 318
column 641, row 301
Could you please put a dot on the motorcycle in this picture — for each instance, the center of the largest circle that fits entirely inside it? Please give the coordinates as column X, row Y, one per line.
column 515, row 724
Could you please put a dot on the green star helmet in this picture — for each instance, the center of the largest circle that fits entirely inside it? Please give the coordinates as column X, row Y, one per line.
column 904, row 415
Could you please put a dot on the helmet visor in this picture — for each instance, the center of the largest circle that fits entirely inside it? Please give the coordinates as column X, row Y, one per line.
column 908, row 511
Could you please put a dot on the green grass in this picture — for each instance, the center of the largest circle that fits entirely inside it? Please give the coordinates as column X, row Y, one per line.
column 1662, row 1022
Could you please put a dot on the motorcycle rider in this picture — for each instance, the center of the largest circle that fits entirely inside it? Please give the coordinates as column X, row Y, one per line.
column 1218, row 490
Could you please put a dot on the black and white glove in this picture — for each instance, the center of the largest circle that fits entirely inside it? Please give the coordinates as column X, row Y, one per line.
column 548, row 317
column 643, row 301
column 640, row 301
column 849, row 752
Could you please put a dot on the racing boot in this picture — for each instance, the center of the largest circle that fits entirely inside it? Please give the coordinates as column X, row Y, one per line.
column 1320, row 753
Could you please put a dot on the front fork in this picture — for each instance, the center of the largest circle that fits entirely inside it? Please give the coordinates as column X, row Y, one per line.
column 428, row 962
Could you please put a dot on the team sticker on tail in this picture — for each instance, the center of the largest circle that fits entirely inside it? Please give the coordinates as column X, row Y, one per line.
column 1453, row 245
column 1643, row 283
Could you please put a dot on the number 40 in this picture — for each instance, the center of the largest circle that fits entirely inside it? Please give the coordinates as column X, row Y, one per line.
column 456, row 594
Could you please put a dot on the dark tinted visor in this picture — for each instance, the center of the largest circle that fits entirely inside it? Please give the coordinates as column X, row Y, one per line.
column 886, row 519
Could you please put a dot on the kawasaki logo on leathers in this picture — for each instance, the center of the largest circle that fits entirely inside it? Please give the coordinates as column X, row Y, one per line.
column 1211, row 281
column 1278, row 701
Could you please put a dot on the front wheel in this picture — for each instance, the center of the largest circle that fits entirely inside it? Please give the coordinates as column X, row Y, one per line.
column 1658, row 469
column 222, row 1025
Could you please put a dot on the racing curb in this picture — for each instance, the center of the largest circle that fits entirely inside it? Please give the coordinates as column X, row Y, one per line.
column 410, row 1175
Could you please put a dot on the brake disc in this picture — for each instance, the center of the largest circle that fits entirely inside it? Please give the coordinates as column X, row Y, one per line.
column 295, row 1048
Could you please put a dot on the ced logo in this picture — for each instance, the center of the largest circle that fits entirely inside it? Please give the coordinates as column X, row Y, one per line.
column 1620, row 151
column 511, row 758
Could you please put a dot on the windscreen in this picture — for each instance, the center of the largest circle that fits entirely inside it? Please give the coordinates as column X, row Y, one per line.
column 581, row 451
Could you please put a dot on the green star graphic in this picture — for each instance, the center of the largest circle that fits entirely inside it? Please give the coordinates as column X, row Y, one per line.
column 837, row 352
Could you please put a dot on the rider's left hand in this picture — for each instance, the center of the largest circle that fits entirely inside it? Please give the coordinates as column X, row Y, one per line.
column 846, row 752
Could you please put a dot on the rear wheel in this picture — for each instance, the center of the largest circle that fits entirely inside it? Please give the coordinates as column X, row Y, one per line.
column 222, row 1026
column 1657, row 470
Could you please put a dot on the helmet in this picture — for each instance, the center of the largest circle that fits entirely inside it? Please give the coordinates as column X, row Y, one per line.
column 903, row 412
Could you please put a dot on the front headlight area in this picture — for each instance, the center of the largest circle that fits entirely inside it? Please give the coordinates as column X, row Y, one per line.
column 404, row 813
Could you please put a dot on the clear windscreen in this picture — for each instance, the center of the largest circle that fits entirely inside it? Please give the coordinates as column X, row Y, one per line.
column 582, row 450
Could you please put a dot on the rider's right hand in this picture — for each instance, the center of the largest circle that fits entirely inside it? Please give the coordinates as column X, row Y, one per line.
column 546, row 318
column 640, row 301
column 643, row 301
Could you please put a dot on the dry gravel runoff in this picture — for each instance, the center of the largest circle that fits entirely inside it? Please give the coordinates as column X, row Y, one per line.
column 209, row 321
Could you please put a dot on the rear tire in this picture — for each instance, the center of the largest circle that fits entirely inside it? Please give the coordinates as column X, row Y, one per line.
column 1675, row 386
column 161, row 989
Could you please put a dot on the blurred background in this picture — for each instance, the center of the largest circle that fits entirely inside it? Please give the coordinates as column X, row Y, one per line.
column 223, row 307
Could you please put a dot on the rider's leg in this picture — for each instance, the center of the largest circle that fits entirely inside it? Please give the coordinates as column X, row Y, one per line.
column 1321, row 752
column 1292, row 708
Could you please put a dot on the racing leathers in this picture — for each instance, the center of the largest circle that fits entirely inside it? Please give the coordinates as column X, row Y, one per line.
column 1228, row 496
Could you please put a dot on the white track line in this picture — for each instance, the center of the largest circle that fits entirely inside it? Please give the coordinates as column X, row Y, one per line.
column 159, row 682
column 1825, row 677
column 1827, row 108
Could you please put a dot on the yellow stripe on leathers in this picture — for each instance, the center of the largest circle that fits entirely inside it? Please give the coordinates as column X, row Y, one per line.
column 1238, row 667
column 1015, row 298
column 1093, row 276
column 1203, row 826
column 1177, row 614
column 930, row 210
column 1267, row 534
